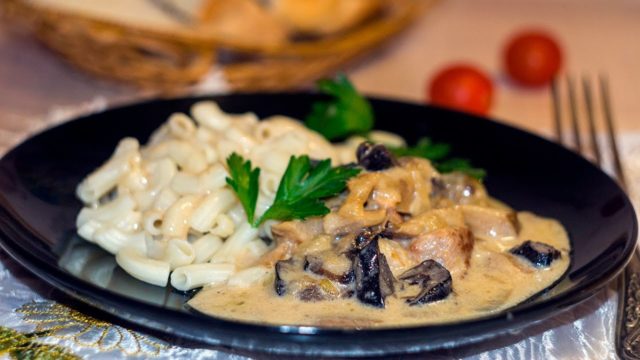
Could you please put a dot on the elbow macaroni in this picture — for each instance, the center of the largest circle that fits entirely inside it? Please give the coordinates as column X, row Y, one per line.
column 166, row 206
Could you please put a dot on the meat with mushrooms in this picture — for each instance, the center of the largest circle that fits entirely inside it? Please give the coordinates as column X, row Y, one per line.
column 333, row 266
column 288, row 235
column 430, row 221
column 297, row 231
column 434, row 282
column 290, row 278
column 450, row 246
column 457, row 189
column 490, row 222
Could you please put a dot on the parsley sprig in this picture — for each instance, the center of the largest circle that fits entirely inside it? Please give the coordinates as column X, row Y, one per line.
column 303, row 187
column 244, row 182
column 350, row 113
column 438, row 154
column 347, row 113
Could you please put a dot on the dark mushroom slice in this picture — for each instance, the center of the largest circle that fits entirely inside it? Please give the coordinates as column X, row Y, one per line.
column 434, row 281
column 335, row 267
column 387, row 281
column 291, row 279
column 285, row 272
column 372, row 233
column 539, row 254
column 373, row 277
column 374, row 157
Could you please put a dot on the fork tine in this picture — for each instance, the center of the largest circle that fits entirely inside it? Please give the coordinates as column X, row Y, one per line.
column 611, row 132
column 591, row 122
column 574, row 114
column 557, row 114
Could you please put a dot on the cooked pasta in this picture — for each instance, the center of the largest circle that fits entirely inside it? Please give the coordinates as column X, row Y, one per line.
column 166, row 206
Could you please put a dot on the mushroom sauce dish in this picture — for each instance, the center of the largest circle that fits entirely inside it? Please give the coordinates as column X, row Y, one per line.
column 266, row 215
column 403, row 245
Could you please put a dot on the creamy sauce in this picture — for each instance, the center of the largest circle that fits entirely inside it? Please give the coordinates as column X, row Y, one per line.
column 494, row 281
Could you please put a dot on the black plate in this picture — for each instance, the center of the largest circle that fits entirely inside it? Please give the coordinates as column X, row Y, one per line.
column 38, row 210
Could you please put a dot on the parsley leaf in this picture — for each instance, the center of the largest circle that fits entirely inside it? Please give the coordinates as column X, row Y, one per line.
column 437, row 153
column 303, row 186
column 244, row 181
column 424, row 148
column 348, row 113
column 460, row 165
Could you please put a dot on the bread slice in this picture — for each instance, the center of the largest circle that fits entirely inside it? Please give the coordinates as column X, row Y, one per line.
column 236, row 22
column 321, row 17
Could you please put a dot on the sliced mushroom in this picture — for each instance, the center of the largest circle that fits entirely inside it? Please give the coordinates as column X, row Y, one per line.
column 374, row 157
column 434, row 281
column 374, row 280
column 292, row 279
column 284, row 272
column 539, row 254
column 490, row 222
column 297, row 231
column 328, row 264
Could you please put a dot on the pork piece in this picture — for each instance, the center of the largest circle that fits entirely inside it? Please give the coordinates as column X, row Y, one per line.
column 490, row 222
column 397, row 255
column 283, row 250
column 449, row 246
column 433, row 279
column 352, row 214
column 430, row 221
column 539, row 254
column 374, row 157
column 288, row 236
column 415, row 175
column 456, row 189
column 297, row 231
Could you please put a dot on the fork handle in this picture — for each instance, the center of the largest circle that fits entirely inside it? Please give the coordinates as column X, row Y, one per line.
column 628, row 320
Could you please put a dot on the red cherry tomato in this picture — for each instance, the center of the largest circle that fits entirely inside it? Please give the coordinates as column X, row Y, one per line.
column 532, row 58
column 462, row 87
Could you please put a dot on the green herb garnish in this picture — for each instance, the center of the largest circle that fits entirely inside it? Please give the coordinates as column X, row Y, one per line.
column 424, row 148
column 437, row 153
column 303, row 187
column 460, row 165
column 348, row 113
column 244, row 181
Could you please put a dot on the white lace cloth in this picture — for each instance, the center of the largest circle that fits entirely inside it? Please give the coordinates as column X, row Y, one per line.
column 584, row 332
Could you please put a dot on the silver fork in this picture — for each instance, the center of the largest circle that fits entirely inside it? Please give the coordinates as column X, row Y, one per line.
column 628, row 285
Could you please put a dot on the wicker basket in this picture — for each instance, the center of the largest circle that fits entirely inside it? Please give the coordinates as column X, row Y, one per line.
column 171, row 61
